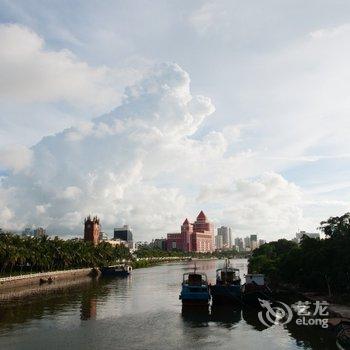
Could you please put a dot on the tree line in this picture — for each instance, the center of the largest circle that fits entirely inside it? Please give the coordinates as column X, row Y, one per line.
column 24, row 254
column 320, row 265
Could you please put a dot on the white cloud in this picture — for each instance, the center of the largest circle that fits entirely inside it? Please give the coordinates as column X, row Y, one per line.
column 209, row 15
column 269, row 205
column 140, row 165
column 15, row 157
column 32, row 73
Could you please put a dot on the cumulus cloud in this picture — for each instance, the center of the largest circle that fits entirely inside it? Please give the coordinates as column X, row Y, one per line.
column 269, row 205
column 32, row 73
column 15, row 158
column 141, row 164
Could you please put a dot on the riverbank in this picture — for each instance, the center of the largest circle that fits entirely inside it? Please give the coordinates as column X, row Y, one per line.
column 8, row 283
column 335, row 309
column 51, row 278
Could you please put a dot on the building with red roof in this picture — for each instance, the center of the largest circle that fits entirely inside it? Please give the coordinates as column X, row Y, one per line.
column 194, row 237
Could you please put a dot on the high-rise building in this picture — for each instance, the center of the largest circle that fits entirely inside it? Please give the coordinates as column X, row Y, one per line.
column 92, row 230
column 225, row 232
column 27, row 232
column 39, row 232
column 247, row 243
column 194, row 237
column 239, row 244
column 219, row 242
column 124, row 233
column 253, row 242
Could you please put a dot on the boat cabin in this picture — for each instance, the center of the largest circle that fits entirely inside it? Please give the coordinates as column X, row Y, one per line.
column 227, row 275
column 195, row 279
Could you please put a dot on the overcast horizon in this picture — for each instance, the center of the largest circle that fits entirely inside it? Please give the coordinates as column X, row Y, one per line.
column 146, row 112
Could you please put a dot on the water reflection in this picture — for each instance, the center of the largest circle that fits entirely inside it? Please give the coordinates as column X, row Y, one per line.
column 226, row 316
column 195, row 316
column 148, row 314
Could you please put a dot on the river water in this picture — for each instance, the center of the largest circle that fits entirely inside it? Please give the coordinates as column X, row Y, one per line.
column 142, row 311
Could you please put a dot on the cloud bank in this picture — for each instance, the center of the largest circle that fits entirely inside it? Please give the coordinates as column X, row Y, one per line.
column 145, row 165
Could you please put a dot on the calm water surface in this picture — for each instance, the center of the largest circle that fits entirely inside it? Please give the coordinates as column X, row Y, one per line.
column 142, row 312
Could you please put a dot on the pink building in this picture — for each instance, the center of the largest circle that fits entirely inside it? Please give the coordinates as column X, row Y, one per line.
column 196, row 237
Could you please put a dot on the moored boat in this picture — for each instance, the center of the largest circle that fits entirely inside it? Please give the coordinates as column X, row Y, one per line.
column 227, row 289
column 116, row 270
column 255, row 288
column 195, row 290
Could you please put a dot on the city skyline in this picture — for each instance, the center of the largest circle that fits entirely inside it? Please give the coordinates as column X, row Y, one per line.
column 105, row 116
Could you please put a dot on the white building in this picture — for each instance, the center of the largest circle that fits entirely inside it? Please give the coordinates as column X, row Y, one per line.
column 225, row 232
column 219, row 243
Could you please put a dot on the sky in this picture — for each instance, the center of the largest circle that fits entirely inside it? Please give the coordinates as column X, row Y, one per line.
column 146, row 112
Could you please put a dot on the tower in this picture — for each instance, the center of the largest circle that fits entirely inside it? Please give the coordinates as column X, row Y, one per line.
column 92, row 230
column 186, row 233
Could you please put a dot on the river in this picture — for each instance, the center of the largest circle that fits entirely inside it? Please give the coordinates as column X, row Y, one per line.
column 142, row 311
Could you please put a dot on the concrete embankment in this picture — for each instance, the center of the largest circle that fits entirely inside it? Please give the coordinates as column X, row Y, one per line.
column 336, row 310
column 35, row 279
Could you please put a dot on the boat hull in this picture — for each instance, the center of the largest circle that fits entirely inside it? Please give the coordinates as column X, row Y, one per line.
column 226, row 294
column 194, row 295
column 252, row 298
column 114, row 273
column 252, row 293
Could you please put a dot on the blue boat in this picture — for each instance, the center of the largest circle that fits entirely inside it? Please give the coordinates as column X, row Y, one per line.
column 116, row 270
column 227, row 289
column 195, row 290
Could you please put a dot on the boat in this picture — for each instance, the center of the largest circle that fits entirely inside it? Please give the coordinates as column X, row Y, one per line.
column 116, row 270
column 227, row 289
column 255, row 288
column 195, row 289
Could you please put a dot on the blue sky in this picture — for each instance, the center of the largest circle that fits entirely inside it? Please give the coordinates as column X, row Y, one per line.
column 269, row 151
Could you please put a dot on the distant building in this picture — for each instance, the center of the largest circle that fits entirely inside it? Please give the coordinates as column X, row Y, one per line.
column 27, row 232
column 103, row 236
column 123, row 233
column 174, row 241
column 261, row 242
column 194, row 237
column 247, row 243
column 225, row 232
column 239, row 244
column 140, row 244
column 92, row 230
column 253, row 242
column 159, row 243
column 219, row 242
column 117, row 242
column 39, row 232
column 300, row 234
